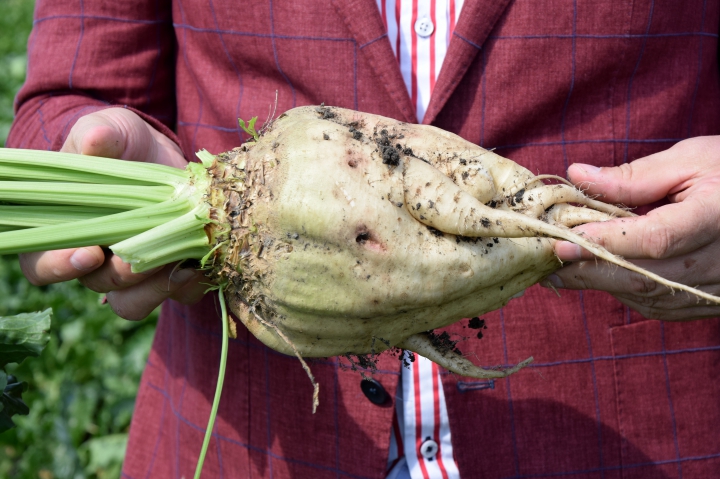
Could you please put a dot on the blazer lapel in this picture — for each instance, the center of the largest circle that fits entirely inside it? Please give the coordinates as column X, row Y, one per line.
column 477, row 19
column 363, row 19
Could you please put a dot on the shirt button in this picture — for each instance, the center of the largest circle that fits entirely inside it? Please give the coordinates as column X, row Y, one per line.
column 374, row 391
column 428, row 449
column 424, row 27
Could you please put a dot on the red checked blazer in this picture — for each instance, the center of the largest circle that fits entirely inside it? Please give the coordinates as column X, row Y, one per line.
column 611, row 395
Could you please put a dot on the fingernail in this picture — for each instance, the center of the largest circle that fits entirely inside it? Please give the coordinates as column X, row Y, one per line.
column 555, row 280
column 589, row 169
column 84, row 260
column 180, row 276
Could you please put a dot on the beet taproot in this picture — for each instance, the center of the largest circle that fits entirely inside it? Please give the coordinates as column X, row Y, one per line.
column 353, row 233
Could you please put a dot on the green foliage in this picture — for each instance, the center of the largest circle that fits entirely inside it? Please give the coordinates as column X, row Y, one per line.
column 22, row 335
column 81, row 388
column 15, row 24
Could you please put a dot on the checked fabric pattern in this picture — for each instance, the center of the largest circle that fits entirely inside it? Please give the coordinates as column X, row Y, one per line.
column 547, row 83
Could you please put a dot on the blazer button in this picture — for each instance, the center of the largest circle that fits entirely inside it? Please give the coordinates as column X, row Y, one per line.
column 374, row 391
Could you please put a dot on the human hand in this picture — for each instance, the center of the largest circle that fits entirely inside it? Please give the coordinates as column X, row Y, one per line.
column 117, row 133
column 679, row 241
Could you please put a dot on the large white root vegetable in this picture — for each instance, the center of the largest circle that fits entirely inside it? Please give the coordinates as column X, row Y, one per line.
column 353, row 233
column 333, row 233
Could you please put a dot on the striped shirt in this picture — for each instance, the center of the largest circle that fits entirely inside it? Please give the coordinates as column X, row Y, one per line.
column 419, row 32
column 420, row 448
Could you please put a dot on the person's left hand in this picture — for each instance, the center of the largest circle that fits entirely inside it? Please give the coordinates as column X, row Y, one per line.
column 679, row 241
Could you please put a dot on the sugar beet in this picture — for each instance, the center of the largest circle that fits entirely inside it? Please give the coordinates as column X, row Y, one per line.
column 353, row 233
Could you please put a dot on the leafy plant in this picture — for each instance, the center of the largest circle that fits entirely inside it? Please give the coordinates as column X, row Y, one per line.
column 81, row 390
column 21, row 336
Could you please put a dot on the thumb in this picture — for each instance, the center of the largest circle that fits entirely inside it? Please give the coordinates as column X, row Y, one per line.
column 112, row 133
column 638, row 183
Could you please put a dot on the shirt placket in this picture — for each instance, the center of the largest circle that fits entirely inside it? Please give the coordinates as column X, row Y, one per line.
column 419, row 32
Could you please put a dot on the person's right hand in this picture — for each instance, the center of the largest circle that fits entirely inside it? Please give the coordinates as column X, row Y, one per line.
column 117, row 133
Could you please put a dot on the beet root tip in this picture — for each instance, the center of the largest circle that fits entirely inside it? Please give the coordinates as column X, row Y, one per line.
column 452, row 361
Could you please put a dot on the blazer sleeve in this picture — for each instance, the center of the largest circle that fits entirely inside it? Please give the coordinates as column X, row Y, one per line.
column 84, row 56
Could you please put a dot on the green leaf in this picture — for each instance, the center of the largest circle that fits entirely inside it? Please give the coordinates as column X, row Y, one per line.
column 23, row 335
column 249, row 128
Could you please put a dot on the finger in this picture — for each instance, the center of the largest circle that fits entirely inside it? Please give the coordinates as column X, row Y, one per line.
column 690, row 312
column 192, row 292
column 671, row 301
column 136, row 302
column 60, row 265
column 114, row 274
column 668, row 231
column 694, row 270
column 648, row 179
column 603, row 277
column 641, row 294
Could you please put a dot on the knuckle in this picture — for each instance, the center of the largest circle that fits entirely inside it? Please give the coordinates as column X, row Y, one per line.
column 626, row 172
column 647, row 303
column 659, row 242
column 645, row 309
column 122, row 279
column 627, row 175
column 93, row 285
column 644, row 288
column 692, row 146
column 702, row 149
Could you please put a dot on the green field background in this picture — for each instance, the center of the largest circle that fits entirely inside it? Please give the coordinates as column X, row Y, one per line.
column 83, row 386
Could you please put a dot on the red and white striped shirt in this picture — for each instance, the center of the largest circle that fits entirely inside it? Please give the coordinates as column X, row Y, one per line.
column 419, row 32
column 420, row 447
